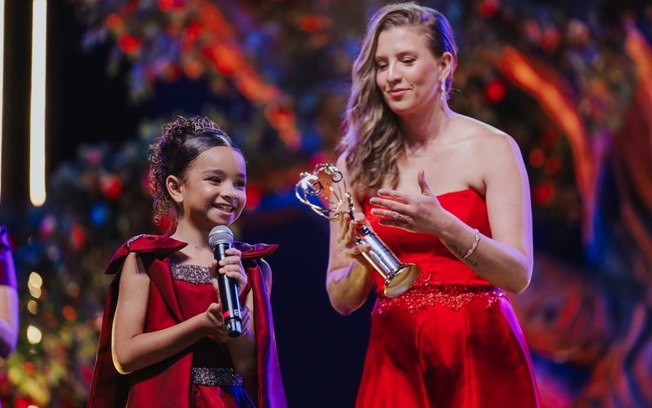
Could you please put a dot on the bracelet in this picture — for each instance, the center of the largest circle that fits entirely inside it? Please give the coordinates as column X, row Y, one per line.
column 471, row 250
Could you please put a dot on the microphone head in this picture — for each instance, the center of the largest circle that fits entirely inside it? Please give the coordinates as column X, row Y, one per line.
column 220, row 235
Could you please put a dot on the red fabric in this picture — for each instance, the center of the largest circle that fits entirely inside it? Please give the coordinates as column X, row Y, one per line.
column 168, row 383
column 444, row 349
column 269, row 381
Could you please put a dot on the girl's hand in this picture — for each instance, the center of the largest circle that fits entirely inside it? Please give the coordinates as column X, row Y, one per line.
column 215, row 322
column 231, row 266
column 416, row 213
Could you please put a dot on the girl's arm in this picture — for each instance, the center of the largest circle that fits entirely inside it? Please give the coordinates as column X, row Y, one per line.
column 132, row 348
column 243, row 348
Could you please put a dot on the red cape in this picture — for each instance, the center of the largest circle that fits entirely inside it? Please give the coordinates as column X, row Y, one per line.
column 169, row 381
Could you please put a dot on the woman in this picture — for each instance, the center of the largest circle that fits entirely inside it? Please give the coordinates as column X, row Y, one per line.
column 449, row 194
column 164, row 342
column 8, row 297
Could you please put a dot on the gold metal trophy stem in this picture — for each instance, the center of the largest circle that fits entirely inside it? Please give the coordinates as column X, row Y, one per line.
column 327, row 182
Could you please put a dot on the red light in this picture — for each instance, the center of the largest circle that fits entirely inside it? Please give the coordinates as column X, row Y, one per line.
column 495, row 91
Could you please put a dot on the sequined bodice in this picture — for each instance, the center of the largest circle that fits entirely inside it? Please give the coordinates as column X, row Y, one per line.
column 438, row 265
column 195, row 292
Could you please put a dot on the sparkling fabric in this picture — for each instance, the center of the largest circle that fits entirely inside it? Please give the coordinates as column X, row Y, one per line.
column 451, row 296
column 216, row 377
column 196, row 274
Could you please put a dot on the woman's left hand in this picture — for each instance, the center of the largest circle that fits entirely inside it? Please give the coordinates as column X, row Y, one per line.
column 231, row 266
column 416, row 213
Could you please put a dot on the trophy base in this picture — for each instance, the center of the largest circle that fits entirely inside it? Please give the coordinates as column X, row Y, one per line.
column 402, row 280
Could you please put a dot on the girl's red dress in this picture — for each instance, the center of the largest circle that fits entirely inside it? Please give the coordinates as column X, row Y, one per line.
column 203, row 374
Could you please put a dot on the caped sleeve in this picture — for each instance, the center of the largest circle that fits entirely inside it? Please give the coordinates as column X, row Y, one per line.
column 143, row 244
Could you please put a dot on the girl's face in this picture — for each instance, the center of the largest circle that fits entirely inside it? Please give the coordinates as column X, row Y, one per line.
column 213, row 190
column 407, row 73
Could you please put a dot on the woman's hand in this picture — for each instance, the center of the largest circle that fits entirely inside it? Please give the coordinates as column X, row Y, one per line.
column 347, row 237
column 416, row 213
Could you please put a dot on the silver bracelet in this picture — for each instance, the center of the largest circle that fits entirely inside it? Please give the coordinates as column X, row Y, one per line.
column 471, row 250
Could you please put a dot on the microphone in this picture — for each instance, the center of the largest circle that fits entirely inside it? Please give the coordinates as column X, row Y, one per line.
column 220, row 239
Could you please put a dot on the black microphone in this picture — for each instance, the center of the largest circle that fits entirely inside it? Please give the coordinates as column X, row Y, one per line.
column 220, row 239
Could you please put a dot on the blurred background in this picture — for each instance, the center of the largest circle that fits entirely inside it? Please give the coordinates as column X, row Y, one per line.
column 570, row 81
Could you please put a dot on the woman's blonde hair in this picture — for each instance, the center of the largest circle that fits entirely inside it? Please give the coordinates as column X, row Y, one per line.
column 372, row 138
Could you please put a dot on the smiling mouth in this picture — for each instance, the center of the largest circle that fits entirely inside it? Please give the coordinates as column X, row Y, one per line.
column 396, row 92
column 225, row 207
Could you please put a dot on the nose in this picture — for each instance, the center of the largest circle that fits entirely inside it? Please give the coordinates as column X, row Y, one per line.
column 228, row 191
column 393, row 74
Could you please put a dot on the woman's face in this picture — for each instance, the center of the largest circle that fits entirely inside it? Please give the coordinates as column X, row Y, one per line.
column 407, row 73
column 214, row 188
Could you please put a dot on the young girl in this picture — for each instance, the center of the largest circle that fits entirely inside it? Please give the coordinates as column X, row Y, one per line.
column 163, row 339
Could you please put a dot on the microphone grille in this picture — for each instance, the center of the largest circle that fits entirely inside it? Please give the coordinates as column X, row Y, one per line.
column 220, row 235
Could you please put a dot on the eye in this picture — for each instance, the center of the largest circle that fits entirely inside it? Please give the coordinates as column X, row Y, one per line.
column 215, row 180
column 240, row 184
column 408, row 61
column 381, row 66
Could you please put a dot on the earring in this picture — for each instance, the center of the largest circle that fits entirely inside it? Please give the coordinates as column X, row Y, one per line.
column 442, row 91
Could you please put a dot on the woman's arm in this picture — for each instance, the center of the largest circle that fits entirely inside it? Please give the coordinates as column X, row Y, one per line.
column 132, row 348
column 505, row 259
column 8, row 320
column 348, row 277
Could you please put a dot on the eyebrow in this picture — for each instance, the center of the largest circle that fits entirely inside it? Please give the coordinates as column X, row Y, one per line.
column 221, row 172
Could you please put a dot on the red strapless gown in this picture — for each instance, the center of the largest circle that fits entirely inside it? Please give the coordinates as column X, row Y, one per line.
column 452, row 340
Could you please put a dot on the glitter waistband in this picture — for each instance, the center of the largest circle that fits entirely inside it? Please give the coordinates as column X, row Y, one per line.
column 216, row 377
column 451, row 296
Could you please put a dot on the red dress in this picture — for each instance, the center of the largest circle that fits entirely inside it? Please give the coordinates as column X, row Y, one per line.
column 203, row 374
column 452, row 340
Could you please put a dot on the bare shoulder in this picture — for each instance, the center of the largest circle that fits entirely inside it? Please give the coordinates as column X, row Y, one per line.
column 489, row 142
column 133, row 267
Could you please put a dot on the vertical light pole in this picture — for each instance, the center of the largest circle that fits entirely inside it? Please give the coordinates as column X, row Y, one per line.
column 37, row 104
column 2, row 79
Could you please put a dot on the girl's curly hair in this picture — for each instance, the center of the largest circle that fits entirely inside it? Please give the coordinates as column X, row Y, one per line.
column 174, row 150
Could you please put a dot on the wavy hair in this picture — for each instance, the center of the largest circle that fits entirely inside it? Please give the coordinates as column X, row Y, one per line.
column 174, row 151
column 372, row 138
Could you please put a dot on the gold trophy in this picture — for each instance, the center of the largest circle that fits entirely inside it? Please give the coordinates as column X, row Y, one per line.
column 327, row 182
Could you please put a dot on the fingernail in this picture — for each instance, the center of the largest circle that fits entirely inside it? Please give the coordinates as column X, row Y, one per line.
column 373, row 200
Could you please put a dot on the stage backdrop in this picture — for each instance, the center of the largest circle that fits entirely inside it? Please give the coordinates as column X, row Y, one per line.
column 571, row 82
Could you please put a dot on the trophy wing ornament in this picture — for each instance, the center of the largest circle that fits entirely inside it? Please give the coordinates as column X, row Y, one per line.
column 324, row 191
